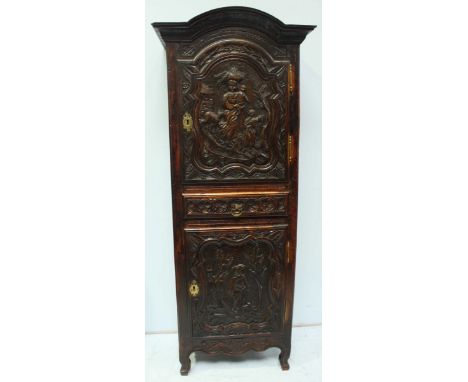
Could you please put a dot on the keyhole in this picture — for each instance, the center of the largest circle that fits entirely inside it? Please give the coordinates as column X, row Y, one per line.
column 187, row 122
column 194, row 289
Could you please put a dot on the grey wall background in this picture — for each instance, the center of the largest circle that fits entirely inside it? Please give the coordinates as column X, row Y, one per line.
column 161, row 310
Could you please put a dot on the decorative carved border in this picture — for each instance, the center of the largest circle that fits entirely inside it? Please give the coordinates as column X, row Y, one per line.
column 236, row 346
column 188, row 50
column 242, row 206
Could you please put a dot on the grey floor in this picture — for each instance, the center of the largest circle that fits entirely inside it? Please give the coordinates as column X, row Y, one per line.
column 162, row 361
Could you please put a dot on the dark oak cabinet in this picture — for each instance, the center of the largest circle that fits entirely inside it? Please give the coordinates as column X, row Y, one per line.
column 233, row 84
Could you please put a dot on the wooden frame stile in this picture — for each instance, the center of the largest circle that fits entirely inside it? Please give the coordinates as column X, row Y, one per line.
column 178, row 228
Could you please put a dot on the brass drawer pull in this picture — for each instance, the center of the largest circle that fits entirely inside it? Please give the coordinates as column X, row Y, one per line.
column 194, row 289
column 236, row 209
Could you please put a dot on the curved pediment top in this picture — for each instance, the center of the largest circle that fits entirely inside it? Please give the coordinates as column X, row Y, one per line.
column 232, row 17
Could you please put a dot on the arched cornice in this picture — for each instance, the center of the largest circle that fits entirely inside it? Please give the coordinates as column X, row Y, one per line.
column 232, row 17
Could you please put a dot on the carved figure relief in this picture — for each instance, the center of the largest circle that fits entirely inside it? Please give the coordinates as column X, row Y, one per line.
column 241, row 278
column 237, row 94
column 237, row 130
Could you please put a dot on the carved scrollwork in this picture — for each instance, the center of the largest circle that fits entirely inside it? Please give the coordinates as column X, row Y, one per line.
column 245, row 206
column 235, row 346
column 189, row 50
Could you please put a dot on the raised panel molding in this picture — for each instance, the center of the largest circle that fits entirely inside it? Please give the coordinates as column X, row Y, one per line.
column 236, row 93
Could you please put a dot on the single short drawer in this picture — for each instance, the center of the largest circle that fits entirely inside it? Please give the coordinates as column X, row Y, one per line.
column 237, row 206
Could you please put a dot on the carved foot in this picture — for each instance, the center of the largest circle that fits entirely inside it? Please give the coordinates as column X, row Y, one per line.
column 185, row 365
column 283, row 358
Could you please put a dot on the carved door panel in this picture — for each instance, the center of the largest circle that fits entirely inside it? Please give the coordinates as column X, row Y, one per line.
column 236, row 280
column 234, row 97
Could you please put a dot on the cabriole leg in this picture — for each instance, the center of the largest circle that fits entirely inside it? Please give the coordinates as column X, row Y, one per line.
column 184, row 358
column 284, row 357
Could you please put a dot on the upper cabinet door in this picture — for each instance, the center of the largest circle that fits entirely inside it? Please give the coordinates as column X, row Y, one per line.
column 230, row 76
column 234, row 106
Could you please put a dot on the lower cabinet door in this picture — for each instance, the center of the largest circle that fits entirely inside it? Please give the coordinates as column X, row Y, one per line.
column 236, row 279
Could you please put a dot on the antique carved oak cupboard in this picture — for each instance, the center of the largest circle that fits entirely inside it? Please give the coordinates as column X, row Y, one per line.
column 233, row 83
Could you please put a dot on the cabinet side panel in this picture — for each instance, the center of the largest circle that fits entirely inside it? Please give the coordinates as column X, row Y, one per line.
column 177, row 206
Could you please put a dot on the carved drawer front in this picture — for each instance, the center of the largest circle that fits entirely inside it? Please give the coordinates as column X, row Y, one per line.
column 236, row 279
column 236, row 206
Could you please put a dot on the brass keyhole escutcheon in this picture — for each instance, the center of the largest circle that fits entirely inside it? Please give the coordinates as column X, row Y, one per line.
column 194, row 289
column 187, row 122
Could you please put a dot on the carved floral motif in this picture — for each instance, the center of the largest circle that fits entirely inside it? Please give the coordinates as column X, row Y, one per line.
column 271, row 205
column 236, row 345
column 189, row 50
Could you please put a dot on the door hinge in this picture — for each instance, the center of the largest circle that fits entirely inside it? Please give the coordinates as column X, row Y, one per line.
column 288, row 252
column 290, row 149
column 291, row 79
